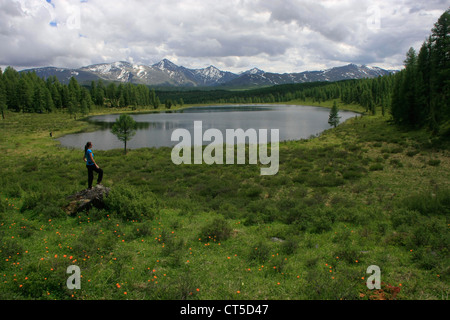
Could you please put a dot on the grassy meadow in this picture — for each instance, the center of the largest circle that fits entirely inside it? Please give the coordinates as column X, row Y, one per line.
column 365, row 193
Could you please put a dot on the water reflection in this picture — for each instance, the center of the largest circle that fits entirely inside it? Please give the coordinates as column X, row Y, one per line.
column 155, row 129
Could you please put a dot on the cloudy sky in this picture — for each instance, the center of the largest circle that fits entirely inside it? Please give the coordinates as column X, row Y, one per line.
column 233, row 35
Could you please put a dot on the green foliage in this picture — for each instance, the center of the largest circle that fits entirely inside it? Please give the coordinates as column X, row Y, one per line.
column 124, row 129
column 429, row 203
column 27, row 92
column 421, row 93
column 333, row 118
column 216, row 230
column 259, row 252
column 127, row 203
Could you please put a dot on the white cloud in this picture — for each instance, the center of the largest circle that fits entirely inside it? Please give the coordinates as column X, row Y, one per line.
column 275, row 35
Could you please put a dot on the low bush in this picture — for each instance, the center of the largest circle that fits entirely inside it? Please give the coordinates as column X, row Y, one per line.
column 259, row 252
column 434, row 162
column 216, row 230
column 376, row 167
column 129, row 203
column 429, row 203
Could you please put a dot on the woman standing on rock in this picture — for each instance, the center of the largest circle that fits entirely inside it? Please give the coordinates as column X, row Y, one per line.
column 91, row 165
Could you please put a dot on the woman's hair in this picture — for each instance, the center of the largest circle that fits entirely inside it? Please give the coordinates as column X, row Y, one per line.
column 86, row 147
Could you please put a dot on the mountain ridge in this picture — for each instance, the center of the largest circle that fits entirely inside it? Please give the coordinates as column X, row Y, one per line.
column 167, row 73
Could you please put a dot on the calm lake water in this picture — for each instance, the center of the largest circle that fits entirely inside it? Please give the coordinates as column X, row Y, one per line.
column 155, row 129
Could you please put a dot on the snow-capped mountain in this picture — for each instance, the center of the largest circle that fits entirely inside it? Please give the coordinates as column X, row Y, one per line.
column 256, row 77
column 166, row 73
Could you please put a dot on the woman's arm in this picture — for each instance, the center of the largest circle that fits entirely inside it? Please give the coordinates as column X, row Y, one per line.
column 92, row 159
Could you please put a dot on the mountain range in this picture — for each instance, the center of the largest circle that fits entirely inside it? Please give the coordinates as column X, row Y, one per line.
column 166, row 73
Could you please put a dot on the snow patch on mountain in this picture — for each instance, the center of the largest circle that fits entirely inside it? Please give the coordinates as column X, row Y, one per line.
column 166, row 72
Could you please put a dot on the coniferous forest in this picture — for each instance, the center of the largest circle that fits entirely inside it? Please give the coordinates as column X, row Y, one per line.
column 421, row 92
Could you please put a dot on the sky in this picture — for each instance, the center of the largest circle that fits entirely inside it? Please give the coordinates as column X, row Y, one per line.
column 233, row 35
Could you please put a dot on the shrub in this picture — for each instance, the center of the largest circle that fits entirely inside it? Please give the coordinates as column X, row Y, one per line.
column 428, row 259
column 431, row 232
column 129, row 203
column 353, row 172
column 259, row 252
column 327, row 180
column 428, row 203
column 396, row 163
column 218, row 229
column 403, row 218
column 320, row 286
column 47, row 206
column 412, row 153
column 376, row 167
column 434, row 162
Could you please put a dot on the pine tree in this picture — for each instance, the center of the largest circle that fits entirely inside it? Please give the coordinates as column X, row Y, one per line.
column 3, row 105
column 333, row 119
column 49, row 105
column 25, row 94
column 440, row 67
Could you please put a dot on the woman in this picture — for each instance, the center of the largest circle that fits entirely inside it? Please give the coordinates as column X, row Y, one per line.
column 91, row 165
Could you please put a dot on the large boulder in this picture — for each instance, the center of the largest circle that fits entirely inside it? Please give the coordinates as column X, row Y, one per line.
column 86, row 199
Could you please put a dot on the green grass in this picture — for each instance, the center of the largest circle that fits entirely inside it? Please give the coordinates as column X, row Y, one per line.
column 365, row 193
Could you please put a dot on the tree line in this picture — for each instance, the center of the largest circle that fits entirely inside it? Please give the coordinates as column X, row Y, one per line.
column 421, row 92
column 28, row 93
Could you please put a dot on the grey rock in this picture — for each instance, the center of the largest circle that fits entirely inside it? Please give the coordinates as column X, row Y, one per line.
column 86, row 199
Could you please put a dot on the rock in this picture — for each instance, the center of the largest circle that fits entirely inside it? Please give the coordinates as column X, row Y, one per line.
column 86, row 199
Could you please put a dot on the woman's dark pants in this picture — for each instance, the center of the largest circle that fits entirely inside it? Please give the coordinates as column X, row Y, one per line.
column 91, row 170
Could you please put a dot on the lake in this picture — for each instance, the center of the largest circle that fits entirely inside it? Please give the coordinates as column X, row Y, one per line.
column 155, row 129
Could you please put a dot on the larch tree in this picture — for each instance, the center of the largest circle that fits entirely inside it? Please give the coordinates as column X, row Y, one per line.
column 124, row 129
